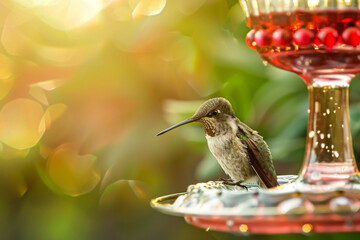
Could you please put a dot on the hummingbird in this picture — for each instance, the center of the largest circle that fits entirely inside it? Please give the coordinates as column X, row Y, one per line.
column 241, row 152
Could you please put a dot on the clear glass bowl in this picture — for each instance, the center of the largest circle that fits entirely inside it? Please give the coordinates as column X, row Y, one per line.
column 214, row 206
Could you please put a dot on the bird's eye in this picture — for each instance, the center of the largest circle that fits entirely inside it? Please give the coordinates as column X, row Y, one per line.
column 213, row 113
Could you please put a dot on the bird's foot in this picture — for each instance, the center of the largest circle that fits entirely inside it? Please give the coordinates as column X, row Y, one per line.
column 224, row 179
column 232, row 183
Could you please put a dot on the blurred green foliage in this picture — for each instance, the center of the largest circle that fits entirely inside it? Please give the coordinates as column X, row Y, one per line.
column 125, row 75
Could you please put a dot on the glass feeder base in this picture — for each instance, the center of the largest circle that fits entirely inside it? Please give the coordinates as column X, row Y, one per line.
column 277, row 224
column 294, row 207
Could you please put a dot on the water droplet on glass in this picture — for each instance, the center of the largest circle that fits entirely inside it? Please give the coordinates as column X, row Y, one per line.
column 332, row 146
column 322, row 145
column 318, row 131
column 336, row 154
column 295, row 206
column 308, row 62
column 179, row 201
column 343, row 205
column 317, row 106
column 230, row 223
column 331, row 98
column 311, row 134
column 212, row 204
column 342, row 125
column 304, row 71
column 315, row 175
column 190, row 203
column 330, row 125
column 328, row 135
column 265, row 63
column 328, row 111
column 322, row 136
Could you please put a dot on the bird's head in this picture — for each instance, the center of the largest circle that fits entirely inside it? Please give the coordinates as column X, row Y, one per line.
column 212, row 114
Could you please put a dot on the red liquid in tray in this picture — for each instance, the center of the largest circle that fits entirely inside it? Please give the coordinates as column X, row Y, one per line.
column 308, row 42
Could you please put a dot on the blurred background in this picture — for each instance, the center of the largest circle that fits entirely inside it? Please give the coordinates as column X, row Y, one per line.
column 85, row 85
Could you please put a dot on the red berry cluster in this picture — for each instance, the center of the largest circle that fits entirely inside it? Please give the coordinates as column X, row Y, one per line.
column 326, row 36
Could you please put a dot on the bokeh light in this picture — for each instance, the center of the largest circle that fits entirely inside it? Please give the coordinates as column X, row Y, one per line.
column 6, row 70
column 20, row 123
column 125, row 194
column 72, row 173
column 12, row 39
column 65, row 14
column 148, row 8
column 5, row 87
column 7, row 152
column 53, row 112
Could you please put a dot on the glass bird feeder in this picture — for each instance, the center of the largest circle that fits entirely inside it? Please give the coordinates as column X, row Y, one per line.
column 320, row 41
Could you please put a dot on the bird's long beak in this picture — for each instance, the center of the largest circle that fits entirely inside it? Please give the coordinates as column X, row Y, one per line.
column 190, row 120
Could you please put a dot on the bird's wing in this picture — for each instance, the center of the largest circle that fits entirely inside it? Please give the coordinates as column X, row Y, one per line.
column 259, row 155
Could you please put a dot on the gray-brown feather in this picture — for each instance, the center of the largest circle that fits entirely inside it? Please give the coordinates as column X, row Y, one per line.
column 231, row 153
column 259, row 154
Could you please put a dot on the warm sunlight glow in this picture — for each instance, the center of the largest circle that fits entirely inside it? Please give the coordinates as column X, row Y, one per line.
column 67, row 14
column 148, row 8
column 20, row 123
column 72, row 174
